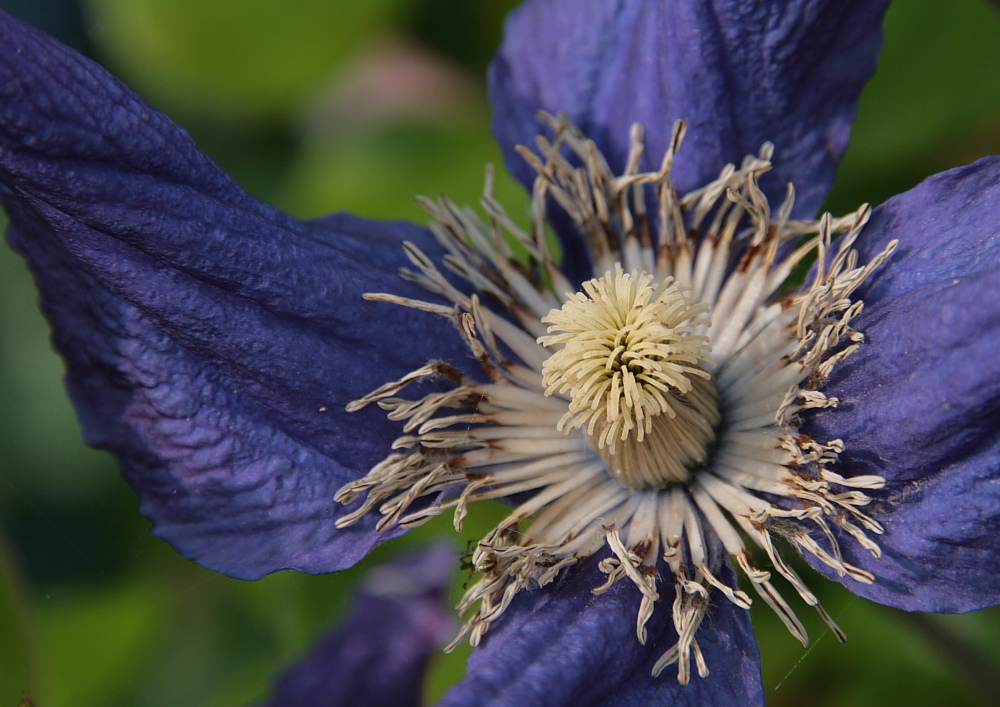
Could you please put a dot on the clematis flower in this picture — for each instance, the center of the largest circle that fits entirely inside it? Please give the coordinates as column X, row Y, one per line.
column 658, row 409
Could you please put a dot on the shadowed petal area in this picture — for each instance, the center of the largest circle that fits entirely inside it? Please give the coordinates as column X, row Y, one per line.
column 920, row 403
column 741, row 73
column 211, row 342
column 378, row 655
column 565, row 646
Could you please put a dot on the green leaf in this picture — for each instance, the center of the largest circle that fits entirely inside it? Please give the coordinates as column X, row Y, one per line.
column 92, row 644
column 255, row 58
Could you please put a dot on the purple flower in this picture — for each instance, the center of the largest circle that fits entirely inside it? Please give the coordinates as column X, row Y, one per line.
column 653, row 404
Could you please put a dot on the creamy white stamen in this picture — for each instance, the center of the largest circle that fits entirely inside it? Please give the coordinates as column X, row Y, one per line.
column 651, row 417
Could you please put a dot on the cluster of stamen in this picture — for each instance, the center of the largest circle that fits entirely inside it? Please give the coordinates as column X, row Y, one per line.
column 651, row 417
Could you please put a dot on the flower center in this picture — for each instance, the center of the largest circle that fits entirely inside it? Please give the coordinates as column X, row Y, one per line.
column 597, row 414
column 637, row 376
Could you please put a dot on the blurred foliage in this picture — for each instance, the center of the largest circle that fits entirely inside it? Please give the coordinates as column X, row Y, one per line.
column 933, row 104
column 302, row 102
column 236, row 58
column 380, row 171
column 15, row 652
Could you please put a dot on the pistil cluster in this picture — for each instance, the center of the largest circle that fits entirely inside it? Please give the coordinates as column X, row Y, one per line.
column 648, row 415
column 636, row 375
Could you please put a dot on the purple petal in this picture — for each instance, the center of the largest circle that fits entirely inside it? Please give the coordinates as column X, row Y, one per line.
column 740, row 73
column 562, row 645
column 378, row 656
column 211, row 342
column 920, row 403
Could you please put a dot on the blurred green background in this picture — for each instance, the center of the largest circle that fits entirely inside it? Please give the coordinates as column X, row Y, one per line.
column 316, row 106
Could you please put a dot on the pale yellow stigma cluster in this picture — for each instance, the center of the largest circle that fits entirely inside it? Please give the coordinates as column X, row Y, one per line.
column 626, row 354
column 648, row 417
